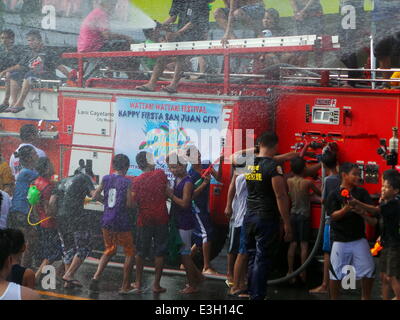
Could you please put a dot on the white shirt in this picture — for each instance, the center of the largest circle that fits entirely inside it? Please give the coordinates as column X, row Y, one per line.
column 13, row 292
column 4, row 210
column 14, row 162
column 239, row 205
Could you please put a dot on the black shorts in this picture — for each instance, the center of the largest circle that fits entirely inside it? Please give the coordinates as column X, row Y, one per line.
column 300, row 227
column 389, row 262
column 147, row 235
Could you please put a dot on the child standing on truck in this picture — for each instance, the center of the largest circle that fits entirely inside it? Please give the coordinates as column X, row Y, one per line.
column 181, row 211
column 299, row 192
column 115, row 222
column 389, row 209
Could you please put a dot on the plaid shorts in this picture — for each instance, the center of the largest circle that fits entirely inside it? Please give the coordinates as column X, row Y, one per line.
column 76, row 243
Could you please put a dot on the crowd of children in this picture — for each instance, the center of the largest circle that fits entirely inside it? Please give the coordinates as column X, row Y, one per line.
column 260, row 198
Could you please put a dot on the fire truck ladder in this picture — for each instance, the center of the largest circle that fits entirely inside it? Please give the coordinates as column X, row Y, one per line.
column 235, row 47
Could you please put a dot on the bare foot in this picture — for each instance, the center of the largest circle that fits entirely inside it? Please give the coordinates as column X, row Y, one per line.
column 189, row 290
column 159, row 290
column 181, row 267
column 320, row 289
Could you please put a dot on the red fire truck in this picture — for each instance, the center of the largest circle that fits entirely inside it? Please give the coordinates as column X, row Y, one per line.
column 83, row 119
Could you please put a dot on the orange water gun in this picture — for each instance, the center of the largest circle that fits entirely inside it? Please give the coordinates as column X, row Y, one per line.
column 377, row 247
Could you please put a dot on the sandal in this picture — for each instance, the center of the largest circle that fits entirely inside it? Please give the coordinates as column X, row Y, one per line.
column 72, row 284
column 169, row 90
column 144, row 88
column 15, row 109
column 4, row 107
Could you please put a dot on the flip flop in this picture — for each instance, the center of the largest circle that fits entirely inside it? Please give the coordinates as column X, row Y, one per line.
column 169, row 90
column 72, row 284
column 237, row 293
column 144, row 88
column 132, row 291
column 4, row 107
column 15, row 109
column 229, row 283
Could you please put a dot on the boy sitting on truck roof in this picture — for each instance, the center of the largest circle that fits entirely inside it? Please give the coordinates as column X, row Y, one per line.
column 192, row 26
column 39, row 63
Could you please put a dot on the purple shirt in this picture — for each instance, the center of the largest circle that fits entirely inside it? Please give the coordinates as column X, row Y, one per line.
column 115, row 217
column 184, row 218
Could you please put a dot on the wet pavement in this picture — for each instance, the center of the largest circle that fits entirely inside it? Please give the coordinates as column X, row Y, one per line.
column 175, row 280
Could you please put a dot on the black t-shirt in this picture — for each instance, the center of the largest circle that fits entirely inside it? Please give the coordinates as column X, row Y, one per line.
column 351, row 227
column 71, row 194
column 390, row 212
column 261, row 196
column 10, row 58
column 44, row 61
column 195, row 11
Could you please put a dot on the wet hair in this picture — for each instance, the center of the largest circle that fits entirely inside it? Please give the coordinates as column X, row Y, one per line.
column 175, row 158
column 9, row 33
column 5, row 247
column 34, row 34
column 274, row 14
column 43, row 166
column 17, row 240
column 329, row 159
column 25, row 155
column 297, row 165
column 141, row 159
column 192, row 153
column 393, row 178
column 27, row 132
column 346, row 168
column 121, row 162
column 388, row 173
column 268, row 139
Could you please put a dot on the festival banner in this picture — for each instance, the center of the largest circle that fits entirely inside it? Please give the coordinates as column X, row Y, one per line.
column 161, row 127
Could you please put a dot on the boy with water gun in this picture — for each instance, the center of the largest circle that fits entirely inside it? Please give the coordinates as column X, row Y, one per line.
column 389, row 210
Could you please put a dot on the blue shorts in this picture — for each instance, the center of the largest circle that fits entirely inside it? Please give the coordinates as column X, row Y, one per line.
column 254, row 11
column 242, row 244
column 327, row 246
column 203, row 229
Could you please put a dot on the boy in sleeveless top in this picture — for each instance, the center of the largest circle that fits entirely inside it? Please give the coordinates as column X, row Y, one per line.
column 19, row 274
column 10, row 290
column 181, row 211
column 115, row 223
column 299, row 192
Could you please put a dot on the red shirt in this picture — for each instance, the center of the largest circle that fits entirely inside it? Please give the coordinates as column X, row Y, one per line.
column 45, row 187
column 149, row 189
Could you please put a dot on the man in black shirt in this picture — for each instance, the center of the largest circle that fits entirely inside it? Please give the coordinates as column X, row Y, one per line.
column 41, row 62
column 73, row 223
column 9, row 56
column 350, row 247
column 193, row 23
column 267, row 200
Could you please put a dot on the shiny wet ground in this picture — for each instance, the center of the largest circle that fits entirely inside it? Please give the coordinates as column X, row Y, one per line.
column 211, row 289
